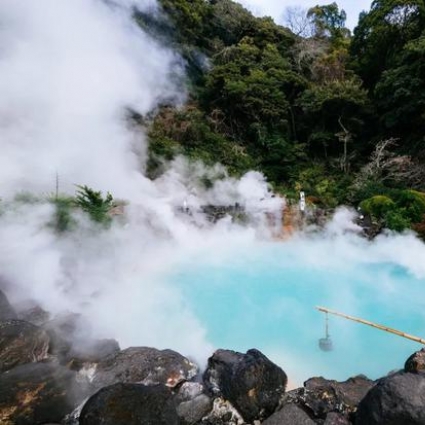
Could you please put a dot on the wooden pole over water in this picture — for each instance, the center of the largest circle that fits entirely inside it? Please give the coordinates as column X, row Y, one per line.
column 374, row 325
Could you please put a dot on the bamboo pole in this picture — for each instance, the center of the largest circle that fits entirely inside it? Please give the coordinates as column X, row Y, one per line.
column 374, row 325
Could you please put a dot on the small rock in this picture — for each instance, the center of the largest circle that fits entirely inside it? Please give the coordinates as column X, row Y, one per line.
column 334, row 418
column 192, row 411
column 223, row 413
column 290, row 414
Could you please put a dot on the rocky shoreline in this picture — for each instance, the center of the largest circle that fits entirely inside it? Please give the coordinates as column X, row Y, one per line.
column 49, row 375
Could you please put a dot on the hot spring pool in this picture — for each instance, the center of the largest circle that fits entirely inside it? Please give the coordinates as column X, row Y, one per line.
column 264, row 296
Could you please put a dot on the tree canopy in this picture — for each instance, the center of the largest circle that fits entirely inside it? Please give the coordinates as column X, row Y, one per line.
column 308, row 107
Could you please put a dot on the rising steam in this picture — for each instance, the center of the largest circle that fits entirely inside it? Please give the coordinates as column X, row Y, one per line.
column 69, row 72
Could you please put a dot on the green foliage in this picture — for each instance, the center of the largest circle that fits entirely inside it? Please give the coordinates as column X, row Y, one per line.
column 381, row 34
column 305, row 111
column 64, row 205
column 413, row 202
column 94, row 204
column 377, row 206
column 27, row 198
column 397, row 220
column 326, row 106
column 321, row 186
column 329, row 21
column 400, row 93
column 188, row 131
column 404, row 209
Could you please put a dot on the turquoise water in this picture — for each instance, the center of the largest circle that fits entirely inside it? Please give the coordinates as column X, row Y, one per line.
column 264, row 297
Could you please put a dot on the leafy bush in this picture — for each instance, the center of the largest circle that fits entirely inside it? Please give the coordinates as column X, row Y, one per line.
column 398, row 211
column 397, row 220
column 94, row 204
column 377, row 206
column 413, row 202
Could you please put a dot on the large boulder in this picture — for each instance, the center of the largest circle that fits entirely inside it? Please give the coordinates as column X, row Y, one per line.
column 130, row 404
column 251, row 382
column 38, row 393
column 398, row 399
column 290, row 414
column 320, row 396
column 144, row 365
column 20, row 343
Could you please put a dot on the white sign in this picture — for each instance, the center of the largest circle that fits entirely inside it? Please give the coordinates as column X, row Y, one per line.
column 302, row 201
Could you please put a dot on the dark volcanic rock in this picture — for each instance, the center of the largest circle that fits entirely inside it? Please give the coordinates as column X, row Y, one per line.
column 290, row 414
column 38, row 393
column 71, row 344
column 20, row 343
column 146, row 366
column 91, row 352
column 130, row 404
column 251, row 382
column 320, row 396
column 35, row 315
column 397, row 399
column 336, row 419
column 6, row 310
column 416, row 362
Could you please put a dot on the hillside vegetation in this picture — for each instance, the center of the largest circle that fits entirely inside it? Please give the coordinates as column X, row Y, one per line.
column 312, row 106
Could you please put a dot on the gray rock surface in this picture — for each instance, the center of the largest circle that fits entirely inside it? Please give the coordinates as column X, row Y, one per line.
column 290, row 414
column 144, row 365
column 397, row 399
column 21, row 343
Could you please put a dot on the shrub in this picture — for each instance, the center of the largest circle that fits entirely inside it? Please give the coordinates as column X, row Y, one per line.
column 397, row 220
column 377, row 206
column 413, row 202
column 94, row 204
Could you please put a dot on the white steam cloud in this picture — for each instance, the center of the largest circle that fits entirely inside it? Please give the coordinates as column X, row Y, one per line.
column 69, row 71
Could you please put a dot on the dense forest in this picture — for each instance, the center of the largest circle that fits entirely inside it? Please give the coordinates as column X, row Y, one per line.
column 313, row 106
